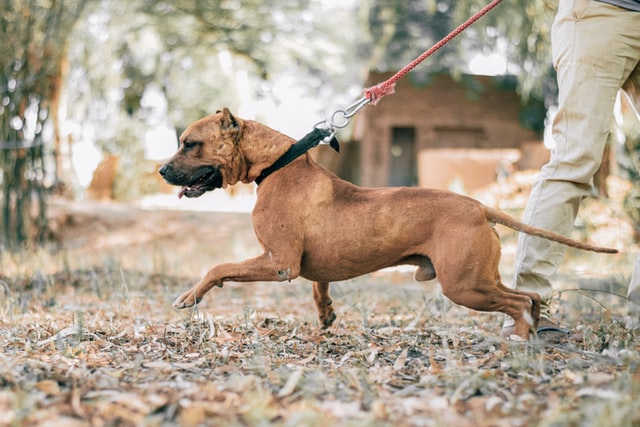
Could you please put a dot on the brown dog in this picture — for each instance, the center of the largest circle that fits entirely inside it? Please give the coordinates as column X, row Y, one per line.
column 315, row 225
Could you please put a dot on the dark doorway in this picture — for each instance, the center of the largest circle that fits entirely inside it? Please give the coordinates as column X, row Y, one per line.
column 403, row 169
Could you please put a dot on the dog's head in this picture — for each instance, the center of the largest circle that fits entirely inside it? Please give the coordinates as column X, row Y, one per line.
column 208, row 156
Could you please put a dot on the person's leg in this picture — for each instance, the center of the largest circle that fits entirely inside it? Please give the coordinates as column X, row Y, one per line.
column 593, row 58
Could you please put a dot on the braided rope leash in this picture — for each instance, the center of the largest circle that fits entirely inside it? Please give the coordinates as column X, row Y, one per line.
column 375, row 93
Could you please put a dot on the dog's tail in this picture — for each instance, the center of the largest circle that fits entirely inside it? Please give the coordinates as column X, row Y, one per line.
column 494, row 215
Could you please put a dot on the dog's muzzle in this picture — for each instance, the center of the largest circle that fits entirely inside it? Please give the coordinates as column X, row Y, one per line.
column 194, row 183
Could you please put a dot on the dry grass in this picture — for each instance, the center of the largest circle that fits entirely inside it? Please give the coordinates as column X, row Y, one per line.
column 88, row 337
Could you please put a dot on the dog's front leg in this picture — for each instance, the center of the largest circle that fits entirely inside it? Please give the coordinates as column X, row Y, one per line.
column 323, row 304
column 262, row 268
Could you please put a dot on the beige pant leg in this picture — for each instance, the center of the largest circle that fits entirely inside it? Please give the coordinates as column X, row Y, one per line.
column 595, row 49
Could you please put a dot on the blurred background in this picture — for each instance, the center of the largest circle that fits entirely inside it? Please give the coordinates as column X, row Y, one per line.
column 94, row 95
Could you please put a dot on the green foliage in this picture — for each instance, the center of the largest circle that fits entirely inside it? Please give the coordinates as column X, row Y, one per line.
column 196, row 51
column 523, row 30
column 519, row 29
column 400, row 31
column 198, row 56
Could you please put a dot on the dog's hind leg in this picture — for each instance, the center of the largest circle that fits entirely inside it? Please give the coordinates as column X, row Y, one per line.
column 472, row 279
column 323, row 304
column 535, row 308
column 485, row 295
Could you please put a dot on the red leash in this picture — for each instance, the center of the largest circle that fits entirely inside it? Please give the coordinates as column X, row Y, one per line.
column 375, row 93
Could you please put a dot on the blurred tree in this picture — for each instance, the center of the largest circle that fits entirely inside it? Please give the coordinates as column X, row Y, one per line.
column 400, row 31
column 32, row 60
column 519, row 29
column 191, row 49
column 178, row 60
column 212, row 41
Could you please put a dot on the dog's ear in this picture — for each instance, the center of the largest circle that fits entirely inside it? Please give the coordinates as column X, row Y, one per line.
column 230, row 124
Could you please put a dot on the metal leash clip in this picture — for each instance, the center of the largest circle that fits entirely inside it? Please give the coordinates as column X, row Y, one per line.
column 340, row 119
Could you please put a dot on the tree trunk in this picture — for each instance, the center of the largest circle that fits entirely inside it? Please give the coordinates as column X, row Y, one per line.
column 32, row 69
column 60, row 152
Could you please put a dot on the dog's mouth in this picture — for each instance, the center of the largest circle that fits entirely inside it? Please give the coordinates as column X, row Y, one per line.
column 207, row 181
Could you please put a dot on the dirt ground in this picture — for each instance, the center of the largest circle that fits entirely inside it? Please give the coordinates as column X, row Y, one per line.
column 88, row 336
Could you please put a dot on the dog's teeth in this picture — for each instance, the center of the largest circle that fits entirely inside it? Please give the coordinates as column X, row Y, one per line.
column 181, row 192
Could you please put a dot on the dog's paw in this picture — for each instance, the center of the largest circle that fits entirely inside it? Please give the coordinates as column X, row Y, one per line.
column 187, row 299
column 328, row 320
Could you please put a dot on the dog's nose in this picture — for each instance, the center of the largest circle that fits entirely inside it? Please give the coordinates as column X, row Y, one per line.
column 163, row 170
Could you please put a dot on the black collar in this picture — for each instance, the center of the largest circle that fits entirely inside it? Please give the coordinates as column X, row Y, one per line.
column 307, row 142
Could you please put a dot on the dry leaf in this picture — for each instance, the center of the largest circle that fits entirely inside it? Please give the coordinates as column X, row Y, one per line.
column 599, row 393
column 71, row 330
column 340, row 409
column 76, row 404
column 158, row 364
column 192, row 416
column 493, row 403
column 434, row 367
column 291, row 383
column 401, row 360
column 599, row 378
column 49, row 387
column 306, row 360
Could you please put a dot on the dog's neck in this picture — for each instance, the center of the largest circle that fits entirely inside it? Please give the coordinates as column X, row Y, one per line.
column 309, row 141
column 270, row 150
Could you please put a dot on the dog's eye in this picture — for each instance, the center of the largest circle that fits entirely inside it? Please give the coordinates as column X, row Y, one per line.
column 189, row 145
